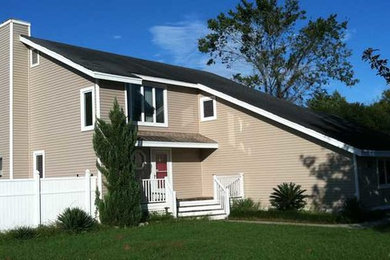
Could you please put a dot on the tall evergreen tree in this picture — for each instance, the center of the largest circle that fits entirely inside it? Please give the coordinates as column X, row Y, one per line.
column 114, row 145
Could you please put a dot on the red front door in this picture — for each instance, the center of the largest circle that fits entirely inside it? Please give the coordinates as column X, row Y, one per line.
column 161, row 165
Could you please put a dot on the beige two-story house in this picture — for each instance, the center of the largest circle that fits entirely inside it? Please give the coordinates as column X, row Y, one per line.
column 199, row 132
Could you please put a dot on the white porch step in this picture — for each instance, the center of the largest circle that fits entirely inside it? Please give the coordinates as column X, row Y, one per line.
column 201, row 213
column 199, row 208
column 187, row 203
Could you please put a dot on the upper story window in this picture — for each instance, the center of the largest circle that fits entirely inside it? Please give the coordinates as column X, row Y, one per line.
column 384, row 172
column 147, row 105
column 208, row 108
column 87, row 108
column 1, row 166
column 34, row 57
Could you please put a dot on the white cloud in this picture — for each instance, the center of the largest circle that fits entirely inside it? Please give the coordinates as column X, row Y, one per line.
column 179, row 43
column 117, row 37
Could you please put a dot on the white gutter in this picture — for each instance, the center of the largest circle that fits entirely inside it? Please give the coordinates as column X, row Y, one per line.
column 161, row 144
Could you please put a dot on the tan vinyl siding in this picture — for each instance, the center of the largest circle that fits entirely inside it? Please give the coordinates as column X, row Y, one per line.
column 108, row 92
column 4, row 98
column 270, row 154
column 20, row 99
column 182, row 107
column 55, row 119
column 187, row 173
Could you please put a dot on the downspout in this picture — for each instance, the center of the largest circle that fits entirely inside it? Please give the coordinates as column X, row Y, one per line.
column 355, row 168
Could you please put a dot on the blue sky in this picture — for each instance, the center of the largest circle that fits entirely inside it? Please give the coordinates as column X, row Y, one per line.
column 168, row 30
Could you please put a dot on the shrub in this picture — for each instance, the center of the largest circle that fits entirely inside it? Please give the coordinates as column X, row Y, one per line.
column 352, row 210
column 288, row 196
column 245, row 204
column 75, row 220
column 22, row 233
column 114, row 145
column 287, row 215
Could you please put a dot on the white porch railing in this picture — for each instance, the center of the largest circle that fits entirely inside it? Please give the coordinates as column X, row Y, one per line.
column 235, row 184
column 159, row 191
column 221, row 194
column 153, row 191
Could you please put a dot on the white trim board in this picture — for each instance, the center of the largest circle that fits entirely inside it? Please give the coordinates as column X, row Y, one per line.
column 158, row 144
column 262, row 112
column 16, row 22
column 11, row 99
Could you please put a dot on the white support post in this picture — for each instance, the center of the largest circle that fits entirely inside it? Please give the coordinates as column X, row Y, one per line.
column 174, row 206
column 88, row 192
column 242, row 185
column 37, row 184
column 215, row 186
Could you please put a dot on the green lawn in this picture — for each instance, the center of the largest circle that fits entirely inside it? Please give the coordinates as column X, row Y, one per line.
column 204, row 239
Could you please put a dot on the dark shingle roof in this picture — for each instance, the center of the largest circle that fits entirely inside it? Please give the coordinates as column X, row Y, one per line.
column 326, row 124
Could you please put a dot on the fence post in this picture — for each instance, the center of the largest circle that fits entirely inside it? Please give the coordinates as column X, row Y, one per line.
column 215, row 186
column 37, row 185
column 242, row 185
column 227, row 202
column 100, row 182
column 88, row 192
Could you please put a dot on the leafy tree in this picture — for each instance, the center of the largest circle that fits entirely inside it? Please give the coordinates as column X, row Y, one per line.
column 380, row 65
column 114, row 145
column 288, row 61
column 375, row 116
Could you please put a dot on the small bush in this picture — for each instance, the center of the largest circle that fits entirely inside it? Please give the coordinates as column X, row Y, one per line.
column 353, row 212
column 288, row 196
column 245, row 204
column 75, row 220
column 287, row 215
column 21, row 233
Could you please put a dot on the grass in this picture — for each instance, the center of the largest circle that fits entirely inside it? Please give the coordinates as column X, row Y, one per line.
column 190, row 239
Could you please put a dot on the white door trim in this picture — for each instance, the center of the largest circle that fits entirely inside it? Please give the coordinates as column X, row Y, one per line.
column 153, row 162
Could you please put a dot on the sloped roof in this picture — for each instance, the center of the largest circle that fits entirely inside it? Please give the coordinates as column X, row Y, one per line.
column 173, row 137
column 326, row 124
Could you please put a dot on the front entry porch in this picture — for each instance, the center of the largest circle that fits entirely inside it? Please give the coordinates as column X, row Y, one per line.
column 169, row 167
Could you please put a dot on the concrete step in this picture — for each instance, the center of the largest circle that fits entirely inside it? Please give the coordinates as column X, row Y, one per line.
column 218, row 217
column 191, row 203
column 201, row 213
column 200, row 208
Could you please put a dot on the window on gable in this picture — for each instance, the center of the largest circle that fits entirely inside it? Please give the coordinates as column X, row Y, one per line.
column 384, row 172
column 34, row 57
column 208, row 108
column 87, row 105
column 147, row 105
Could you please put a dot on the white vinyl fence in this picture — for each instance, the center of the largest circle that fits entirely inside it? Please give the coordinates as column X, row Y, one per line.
column 30, row 202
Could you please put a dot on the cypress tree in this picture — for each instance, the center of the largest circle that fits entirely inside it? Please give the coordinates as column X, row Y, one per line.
column 114, row 145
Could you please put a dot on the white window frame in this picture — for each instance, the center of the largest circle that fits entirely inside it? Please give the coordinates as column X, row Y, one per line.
column 82, row 108
column 387, row 184
column 209, row 118
column 39, row 152
column 142, row 122
column 31, row 59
